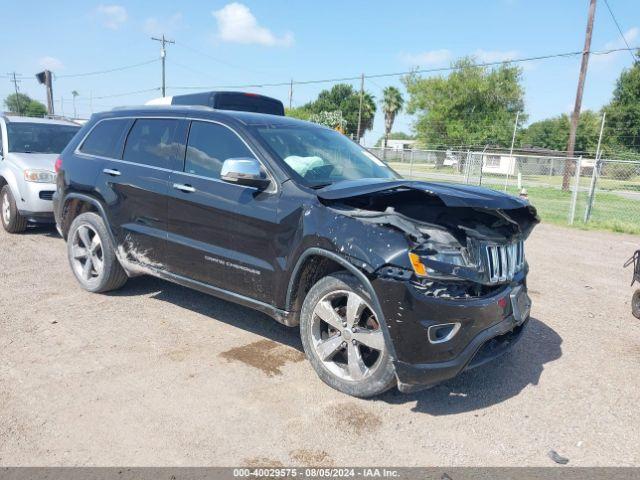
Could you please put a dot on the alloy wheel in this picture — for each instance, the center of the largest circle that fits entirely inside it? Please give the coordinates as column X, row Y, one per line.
column 346, row 335
column 87, row 254
column 6, row 209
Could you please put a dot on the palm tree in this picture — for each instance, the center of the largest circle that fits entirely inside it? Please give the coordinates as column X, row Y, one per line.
column 392, row 103
column 74, row 94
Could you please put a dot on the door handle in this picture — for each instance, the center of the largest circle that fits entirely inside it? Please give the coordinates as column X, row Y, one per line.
column 184, row 188
column 113, row 173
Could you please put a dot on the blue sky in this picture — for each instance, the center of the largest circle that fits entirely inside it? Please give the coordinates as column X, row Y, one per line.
column 236, row 43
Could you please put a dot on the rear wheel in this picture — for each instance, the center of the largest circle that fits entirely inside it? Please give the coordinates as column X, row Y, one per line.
column 343, row 338
column 12, row 221
column 635, row 304
column 92, row 256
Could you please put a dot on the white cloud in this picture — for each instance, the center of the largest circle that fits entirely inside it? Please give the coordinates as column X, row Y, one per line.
column 430, row 58
column 630, row 36
column 443, row 56
column 155, row 26
column 236, row 24
column 50, row 63
column 605, row 60
column 489, row 56
column 112, row 16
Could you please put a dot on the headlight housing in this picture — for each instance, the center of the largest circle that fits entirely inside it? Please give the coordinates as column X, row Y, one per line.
column 39, row 176
column 441, row 247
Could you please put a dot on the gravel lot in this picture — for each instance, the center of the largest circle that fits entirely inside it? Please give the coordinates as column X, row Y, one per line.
column 157, row 374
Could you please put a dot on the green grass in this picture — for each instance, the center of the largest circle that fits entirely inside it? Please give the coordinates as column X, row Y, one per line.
column 611, row 211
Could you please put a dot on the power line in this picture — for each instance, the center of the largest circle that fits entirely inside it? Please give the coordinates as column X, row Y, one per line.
column 111, row 70
column 124, row 94
column 633, row 55
column 190, row 69
column 215, row 59
column 408, row 72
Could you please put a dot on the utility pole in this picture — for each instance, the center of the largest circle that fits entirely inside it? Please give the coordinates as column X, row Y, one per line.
column 46, row 78
column 15, row 81
column 595, row 173
column 290, row 93
column 360, row 108
column 163, row 55
column 513, row 140
column 575, row 117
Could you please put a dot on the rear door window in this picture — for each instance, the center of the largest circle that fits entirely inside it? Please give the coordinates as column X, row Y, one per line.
column 151, row 142
column 106, row 138
column 209, row 145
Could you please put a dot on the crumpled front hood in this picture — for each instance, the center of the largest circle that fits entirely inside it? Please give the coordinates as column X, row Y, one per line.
column 36, row 161
column 452, row 195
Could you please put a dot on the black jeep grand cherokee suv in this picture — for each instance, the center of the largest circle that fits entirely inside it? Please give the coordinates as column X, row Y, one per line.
column 390, row 281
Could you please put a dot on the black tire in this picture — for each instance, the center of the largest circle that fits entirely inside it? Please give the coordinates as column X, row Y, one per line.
column 111, row 276
column 375, row 382
column 16, row 223
column 635, row 304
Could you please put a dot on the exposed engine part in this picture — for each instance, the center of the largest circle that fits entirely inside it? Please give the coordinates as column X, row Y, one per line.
column 455, row 290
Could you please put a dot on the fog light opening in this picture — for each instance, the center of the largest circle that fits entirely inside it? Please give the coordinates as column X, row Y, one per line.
column 443, row 332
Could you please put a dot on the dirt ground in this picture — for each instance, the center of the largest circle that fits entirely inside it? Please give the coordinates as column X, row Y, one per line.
column 157, row 374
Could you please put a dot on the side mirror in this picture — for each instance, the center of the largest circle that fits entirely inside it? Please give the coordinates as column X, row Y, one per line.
column 244, row 171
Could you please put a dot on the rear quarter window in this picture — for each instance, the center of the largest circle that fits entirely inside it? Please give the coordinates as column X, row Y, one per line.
column 106, row 138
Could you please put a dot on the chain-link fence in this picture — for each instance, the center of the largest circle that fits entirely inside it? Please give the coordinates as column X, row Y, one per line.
column 600, row 194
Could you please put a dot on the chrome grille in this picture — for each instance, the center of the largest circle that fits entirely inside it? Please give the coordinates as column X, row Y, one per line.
column 502, row 261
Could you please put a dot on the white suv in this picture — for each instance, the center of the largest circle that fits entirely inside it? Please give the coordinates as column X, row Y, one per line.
column 29, row 148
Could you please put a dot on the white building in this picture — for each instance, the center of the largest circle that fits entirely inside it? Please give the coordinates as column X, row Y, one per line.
column 401, row 144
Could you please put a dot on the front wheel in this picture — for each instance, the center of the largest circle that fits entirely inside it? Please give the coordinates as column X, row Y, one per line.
column 92, row 256
column 343, row 338
column 12, row 221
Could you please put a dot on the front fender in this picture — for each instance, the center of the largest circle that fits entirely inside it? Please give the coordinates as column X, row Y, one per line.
column 356, row 272
column 8, row 172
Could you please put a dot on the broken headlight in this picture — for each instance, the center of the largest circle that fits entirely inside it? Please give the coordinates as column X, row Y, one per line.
column 440, row 248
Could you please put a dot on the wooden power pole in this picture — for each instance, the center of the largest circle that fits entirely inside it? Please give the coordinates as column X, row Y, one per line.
column 575, row 117
column 46, row 79
column 163, row 55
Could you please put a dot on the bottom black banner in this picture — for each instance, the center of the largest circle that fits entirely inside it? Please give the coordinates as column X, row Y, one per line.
column 198, row 473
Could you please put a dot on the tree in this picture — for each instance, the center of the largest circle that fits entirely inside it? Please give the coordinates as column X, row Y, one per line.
column 472, row 106
column 342, row 97
column 622, row 127
column 329, row 119
column 74, row 94
column 392, row 103
column 553, row 133
column 24, row 105
column 298, row 112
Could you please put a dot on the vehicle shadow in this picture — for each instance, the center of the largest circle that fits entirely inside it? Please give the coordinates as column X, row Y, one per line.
column 48, row 230
column 475, row 389
column 491, row 383
column 212, row 307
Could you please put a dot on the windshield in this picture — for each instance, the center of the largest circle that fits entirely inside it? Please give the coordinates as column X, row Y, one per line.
column 39, row 137
column 321, row 156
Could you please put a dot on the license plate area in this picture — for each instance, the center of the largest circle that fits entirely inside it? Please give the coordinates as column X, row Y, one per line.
column 520, row 304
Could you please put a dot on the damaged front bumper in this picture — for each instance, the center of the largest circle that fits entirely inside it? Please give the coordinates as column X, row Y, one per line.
column 475, row 329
